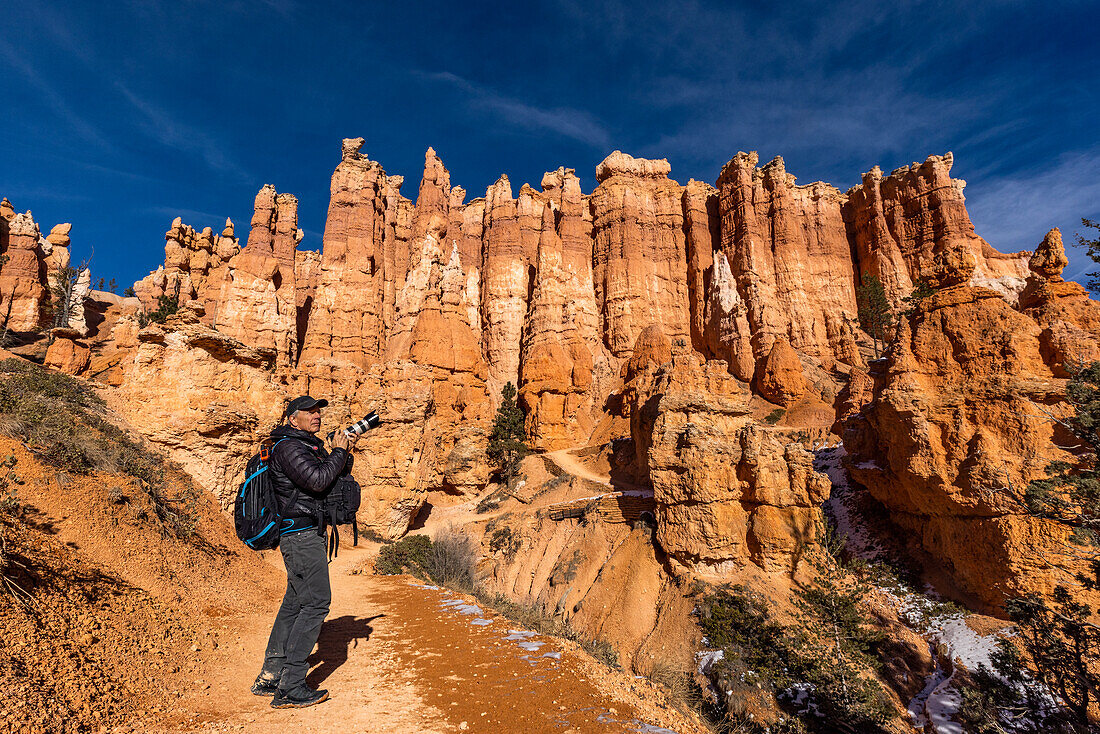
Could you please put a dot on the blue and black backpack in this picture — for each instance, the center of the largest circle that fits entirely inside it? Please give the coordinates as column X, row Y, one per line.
column 256, row 511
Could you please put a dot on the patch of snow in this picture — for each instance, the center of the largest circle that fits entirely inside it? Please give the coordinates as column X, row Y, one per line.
column 841, row 504
column 519, row 635
column 554, row 655
column 650, row 728
column 964, row 643
column 706, row 659
column 481, row 622
column 531, row 646
column 939, row 701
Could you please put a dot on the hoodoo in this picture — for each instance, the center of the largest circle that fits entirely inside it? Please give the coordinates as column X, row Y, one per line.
column 704, row 403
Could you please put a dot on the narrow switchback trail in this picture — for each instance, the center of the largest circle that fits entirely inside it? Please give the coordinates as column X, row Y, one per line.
column 570, row 464
column 399, row 656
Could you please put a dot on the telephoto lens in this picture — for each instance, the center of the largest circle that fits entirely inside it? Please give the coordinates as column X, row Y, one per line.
column 370, row 420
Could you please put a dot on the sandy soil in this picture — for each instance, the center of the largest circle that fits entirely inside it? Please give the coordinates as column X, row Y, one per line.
column 397, row 659
column 135, row 626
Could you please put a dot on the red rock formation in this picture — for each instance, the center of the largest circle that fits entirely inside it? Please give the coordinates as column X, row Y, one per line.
column 791, row 265
column 364, row 259
column 728, row 491
column 958, row 425
column 901, row 222
column 640, row 252
column 23, row 296
column 426, row 310
column 195, row 268
column 779, row 376
column 67, row 353
column 505, row 280
column 1069, row 319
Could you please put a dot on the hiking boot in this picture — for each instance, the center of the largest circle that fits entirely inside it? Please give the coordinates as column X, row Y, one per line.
column 265, row 686
column 298, row 698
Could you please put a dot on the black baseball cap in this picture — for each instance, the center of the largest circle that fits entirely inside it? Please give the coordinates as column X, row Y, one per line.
column 304, row 402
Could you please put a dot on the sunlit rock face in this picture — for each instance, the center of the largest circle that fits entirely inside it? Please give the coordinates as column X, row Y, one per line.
column 961, row 419
column 672, row 308
column 28, row 261
column 728, row 490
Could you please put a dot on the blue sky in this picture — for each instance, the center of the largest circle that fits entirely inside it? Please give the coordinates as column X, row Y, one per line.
column 119, row 116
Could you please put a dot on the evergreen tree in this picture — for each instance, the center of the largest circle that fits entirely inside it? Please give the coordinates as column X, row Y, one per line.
column 1056, row 634
column 874, row 312
column 166, row 306
column 842, row 654
column 921, row 290
column 507, row 442
column 1092, row 247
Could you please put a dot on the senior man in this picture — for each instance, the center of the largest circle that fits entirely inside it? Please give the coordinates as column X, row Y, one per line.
column 302, row 473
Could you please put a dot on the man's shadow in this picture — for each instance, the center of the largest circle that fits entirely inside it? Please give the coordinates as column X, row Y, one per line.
column 337, row 637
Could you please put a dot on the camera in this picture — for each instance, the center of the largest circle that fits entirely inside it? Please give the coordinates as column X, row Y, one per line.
column 364, row 424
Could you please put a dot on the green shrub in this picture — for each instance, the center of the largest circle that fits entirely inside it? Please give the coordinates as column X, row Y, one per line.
column 504, row 541
column 822, row 665
column 63, row 422
column 411, row 554
column 773, row 417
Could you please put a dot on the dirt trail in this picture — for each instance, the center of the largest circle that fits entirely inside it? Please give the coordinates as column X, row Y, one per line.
column 572, row 465
column 397, row 658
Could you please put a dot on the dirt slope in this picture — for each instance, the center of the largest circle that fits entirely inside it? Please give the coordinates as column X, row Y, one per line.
column 133, row 630
column 397, row 659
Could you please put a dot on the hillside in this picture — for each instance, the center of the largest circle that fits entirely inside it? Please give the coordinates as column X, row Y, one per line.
column 760, row 400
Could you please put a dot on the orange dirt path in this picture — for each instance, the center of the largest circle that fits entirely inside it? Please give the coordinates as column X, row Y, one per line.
column 395, row 659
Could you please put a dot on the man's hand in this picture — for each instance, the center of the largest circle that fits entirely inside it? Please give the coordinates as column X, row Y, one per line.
column 341, row 441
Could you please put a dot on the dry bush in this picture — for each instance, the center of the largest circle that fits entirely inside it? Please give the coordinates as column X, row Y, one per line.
column 63, row 422
column 453, row 559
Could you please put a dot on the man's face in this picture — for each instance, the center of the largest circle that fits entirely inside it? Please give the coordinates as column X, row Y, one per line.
column 307, row 420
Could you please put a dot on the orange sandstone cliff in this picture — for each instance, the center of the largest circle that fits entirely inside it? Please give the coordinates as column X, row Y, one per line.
column 714, row 328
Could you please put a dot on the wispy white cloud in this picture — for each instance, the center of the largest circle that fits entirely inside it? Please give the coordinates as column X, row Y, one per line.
column 1014, row 212
column 168, row 130
column 193, row 217
column 54, row 99
column 571, row 123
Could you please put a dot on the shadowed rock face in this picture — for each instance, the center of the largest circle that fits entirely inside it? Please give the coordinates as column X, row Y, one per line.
column 668, row 304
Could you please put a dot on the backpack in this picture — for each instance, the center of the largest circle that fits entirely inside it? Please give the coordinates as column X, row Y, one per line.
column 339, row 508
column 256, row 511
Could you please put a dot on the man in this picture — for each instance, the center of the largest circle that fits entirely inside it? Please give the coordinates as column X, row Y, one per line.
column 302, row 472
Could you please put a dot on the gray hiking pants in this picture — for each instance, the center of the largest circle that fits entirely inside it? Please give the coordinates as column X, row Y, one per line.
column 304, row 608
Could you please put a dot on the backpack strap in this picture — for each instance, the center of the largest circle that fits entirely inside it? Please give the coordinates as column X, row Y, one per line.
column 334, row 537
column 297, row 492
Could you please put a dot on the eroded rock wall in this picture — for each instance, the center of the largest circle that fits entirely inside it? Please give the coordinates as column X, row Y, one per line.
column 961, row 419
column 424, row 310
column 728, row 490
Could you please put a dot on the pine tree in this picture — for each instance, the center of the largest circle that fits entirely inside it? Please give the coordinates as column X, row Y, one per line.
column 921, row 290
column 1057, row 634
column 1092, row 247
column 874, row 312
column 507, row 442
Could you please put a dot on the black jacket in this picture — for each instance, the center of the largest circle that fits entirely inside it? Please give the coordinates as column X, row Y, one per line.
column 302, row 471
